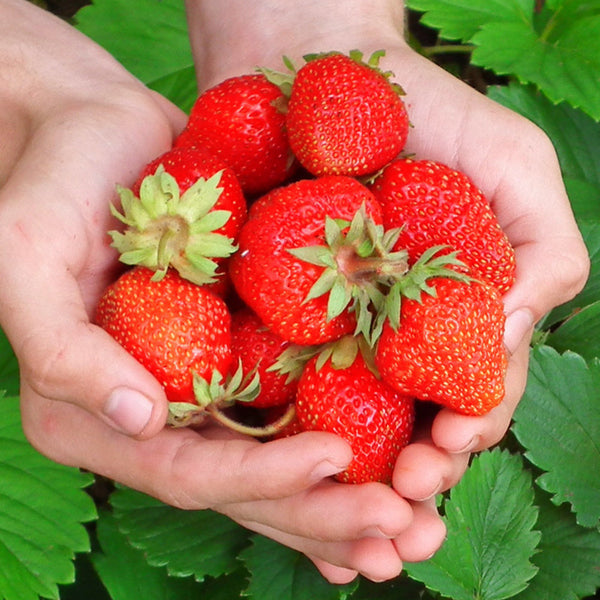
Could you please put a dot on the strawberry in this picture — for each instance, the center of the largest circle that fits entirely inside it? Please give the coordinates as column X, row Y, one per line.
column 435, row 205
column 302, row 266
column 448, row 346
column 352, row 402
column 173, row 327
column 257, row 348
column 240, row 121
column 185, row 211
column 344, row 116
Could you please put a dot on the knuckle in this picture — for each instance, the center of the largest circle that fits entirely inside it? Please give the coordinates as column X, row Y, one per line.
column 44, row 361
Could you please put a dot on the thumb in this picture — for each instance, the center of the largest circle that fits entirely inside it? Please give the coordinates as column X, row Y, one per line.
column 64, row 357
column 79, row 363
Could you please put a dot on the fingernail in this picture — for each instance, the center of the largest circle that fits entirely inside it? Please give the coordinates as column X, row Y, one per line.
column 129, row 410
column 325, row 469
column 518, row 324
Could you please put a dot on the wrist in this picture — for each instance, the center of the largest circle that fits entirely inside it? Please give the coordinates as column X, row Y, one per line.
column 237, row 36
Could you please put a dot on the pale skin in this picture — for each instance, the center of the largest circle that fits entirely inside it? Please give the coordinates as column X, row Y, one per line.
column 75, row 123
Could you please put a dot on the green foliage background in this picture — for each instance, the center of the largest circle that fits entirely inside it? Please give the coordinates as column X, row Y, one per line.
column 523, row 523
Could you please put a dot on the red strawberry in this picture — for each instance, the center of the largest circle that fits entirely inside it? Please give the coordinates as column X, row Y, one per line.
column 185, row 211
column 437, row 205
column 173, row 327
column 305, row 297
column 344, row 116
column 258, row 349
column 239, row 120
column 448, row 347
column 354, row 404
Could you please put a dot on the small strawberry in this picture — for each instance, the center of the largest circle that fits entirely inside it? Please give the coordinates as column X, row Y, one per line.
column 185, row 211
column 240, row 121
column 352, row 402
column 436, row 205
column 173, row 327
column 308, row 256
column 258, row 349
column 448, row 346
column 344, row 116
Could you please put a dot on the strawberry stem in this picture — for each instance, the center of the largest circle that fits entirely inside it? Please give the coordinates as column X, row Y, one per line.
column 264, row 431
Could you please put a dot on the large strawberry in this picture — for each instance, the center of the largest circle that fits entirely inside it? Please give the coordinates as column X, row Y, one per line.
column 436, row 205
column 185, row 211
column 448, row 346
column 314, row 295
column 352, row 402
column 344, row 115
column 173, row 327
column 240, row 120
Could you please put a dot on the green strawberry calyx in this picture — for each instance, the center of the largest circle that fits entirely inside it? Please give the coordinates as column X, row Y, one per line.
column 165, row 228
column 359, row 266
column 435, row 262
column 220, row 393
column 284, row 80
column 292, row 360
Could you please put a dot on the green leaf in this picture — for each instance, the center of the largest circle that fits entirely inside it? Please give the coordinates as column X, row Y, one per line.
column 126, row 574
column 558, row 424
column 462, row 19
column 197, row 543
column 9, row 367
column 567, row 557
column 489, row 516
column 558, row 50
column 564, row 70
column 279, row 573
column 150, row 38
column 42, row 508
column 580, row 333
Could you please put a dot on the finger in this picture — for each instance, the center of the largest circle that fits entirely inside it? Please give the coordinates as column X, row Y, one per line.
column 458, row 433
column 334, row 574
column 331, row 511
column 549, row 273
column 181, row 467
column 424, row 470
column 425, row 535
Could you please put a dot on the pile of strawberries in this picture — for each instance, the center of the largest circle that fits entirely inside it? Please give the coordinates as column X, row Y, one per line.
column 291, row 271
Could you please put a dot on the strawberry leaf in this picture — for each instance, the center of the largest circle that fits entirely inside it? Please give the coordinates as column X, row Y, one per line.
column 197, row 543
column 42, row 511
column 125, row 572
column 462, row 19
column 279, row 573
column 489, row 516
column 579, row 333
column 134, row 32
column 557, row 423
column 557, row 48
column 567, row 557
